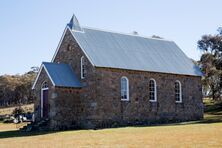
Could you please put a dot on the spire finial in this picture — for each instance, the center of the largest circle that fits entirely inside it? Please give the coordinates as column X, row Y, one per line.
column 74, row 24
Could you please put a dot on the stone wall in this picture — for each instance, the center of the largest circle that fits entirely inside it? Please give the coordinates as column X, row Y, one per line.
column 139, row 108
column 98, row 103
column 65, row 107
column 70, row 53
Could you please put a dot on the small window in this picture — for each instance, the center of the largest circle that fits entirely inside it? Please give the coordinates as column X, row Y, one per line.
column 69, row 48
column 83, row 67
column 178, row 92
column 45, row 85
column 152, row 90
column 124, row 89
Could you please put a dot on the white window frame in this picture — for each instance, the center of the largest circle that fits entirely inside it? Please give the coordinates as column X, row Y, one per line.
column 127, row 88
column 83, row 71
column 44, row 87
column 155, row 90
column 180, row 91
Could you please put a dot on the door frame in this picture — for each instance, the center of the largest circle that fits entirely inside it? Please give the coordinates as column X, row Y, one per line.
column 43, row 89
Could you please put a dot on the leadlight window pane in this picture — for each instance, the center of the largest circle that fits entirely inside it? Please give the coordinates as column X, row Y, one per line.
column 124, row 88
column 45, row 85
column 152, row 90
column 178, row 92
column 83, row 67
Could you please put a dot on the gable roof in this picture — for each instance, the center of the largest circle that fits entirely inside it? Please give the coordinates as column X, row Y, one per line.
column 134, row 52
column 61, row 75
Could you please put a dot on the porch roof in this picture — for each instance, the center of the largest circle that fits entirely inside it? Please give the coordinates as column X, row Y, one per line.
column 62, row 75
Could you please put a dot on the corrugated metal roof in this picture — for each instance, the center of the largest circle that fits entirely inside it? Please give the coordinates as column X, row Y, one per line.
column 62, row 75
column 133, row 52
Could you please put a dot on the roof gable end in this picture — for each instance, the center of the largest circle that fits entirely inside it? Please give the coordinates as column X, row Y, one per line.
column 61, row 75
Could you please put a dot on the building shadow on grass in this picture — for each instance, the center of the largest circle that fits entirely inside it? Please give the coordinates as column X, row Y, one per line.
column 211, row 116
column 17, row 133
column 209, row 119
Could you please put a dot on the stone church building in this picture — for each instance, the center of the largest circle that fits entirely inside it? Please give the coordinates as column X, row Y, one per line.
column 102, row 79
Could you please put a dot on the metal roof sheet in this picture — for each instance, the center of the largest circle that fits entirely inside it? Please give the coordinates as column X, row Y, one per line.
column 62, row 75
column 133, row 52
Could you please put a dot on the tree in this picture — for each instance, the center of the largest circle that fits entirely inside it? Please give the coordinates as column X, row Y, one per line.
column 34, row 69
column 16, row 89
column 211, row 63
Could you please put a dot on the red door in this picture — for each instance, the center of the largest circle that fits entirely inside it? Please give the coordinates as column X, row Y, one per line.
column 45, row 103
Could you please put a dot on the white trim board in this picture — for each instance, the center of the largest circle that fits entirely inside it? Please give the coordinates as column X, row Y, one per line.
column 63, row 35
column 81, row 47
column 60, row 42
column 42, row 89
column 36, row 79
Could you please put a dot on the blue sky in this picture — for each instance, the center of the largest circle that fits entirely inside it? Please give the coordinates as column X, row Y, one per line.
column 30, row 30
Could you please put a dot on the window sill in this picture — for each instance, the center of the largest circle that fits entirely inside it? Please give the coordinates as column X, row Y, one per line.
column 124, row 99
column 179, row 102
column 153, row 100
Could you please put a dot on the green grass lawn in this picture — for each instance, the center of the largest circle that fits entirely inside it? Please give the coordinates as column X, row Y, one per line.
column 203, row 133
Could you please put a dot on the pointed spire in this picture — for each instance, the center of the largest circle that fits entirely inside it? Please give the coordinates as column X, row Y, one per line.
column 74, row 24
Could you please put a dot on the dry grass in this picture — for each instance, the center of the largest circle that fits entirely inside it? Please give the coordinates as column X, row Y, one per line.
column 8, row 110
column 190, row 135
column 204, row 133
column 7, row 127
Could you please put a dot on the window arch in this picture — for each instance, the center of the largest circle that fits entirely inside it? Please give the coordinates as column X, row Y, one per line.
column 45, row 85
column 83, row 67
column 69, row 47
column 152, row 90
column 178, row 92
column 124, row 88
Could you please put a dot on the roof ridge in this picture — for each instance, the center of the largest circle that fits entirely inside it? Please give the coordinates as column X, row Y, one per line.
column 54, row 63
column 122, row 33
column 127, row 51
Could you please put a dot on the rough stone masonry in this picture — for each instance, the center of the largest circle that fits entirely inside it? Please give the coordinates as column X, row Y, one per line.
column 97, row 104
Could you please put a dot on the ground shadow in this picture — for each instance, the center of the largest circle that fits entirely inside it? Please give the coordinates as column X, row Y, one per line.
column 213, row 114
column 212, row 118
column 17, row 133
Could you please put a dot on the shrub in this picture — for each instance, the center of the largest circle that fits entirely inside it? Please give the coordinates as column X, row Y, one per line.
column 8, row 120
column 18, row 111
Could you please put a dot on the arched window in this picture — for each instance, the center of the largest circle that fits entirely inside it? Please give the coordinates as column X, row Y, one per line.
column 152, row 90
column 124, row 89
column 44, row 85
column 178, row 92
column 83, row 67
column 69, row 48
